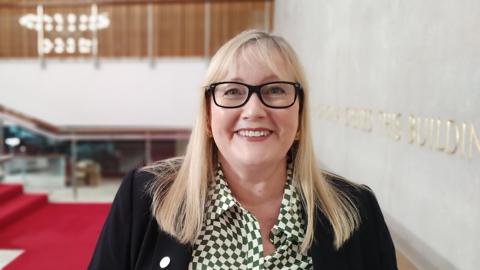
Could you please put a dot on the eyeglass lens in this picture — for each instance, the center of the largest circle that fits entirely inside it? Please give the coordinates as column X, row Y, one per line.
column 273, row 95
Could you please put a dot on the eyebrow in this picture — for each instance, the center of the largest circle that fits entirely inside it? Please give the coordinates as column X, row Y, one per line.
column 268, row 78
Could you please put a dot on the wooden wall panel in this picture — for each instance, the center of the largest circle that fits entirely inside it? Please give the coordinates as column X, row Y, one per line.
column 229, row 19
column 127, row 34
column 194, row 33
column 16, row 41
column 178, row 28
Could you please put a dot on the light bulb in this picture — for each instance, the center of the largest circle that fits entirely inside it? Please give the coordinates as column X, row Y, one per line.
column 70, row 45
column 47, row 18
column 92, row 27
column 58, row 18
column 58, row 41
column 59, row 49
column 48, row 27
column 71, row 28
column 71, row 18
column 47, row 45
column 12, row 142
column 83, row 18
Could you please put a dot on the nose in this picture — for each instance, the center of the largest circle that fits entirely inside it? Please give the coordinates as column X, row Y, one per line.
column 254, row 108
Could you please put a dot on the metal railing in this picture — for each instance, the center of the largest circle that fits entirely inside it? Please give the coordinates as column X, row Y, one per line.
column 20, row 167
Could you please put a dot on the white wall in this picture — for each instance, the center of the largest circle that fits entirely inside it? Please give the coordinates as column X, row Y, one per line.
column 404, row 57
column 118, row 93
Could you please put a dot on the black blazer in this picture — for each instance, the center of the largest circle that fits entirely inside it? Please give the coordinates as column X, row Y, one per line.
column 131, row 239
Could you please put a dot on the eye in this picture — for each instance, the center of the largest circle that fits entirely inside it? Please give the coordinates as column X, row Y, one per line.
column 232, row 92
column 275, row 90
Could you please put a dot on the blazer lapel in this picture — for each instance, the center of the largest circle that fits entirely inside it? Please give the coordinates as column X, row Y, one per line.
column 169, row 254
column 322, row 251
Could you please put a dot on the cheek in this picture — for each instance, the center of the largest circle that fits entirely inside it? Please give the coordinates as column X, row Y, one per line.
column 291, row 126
column 290, row 122
column 214, row 117
column 221, row 122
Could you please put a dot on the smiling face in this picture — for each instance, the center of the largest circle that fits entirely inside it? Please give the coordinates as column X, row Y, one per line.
column 254, row 134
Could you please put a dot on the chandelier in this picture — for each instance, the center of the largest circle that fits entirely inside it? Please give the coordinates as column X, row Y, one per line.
column 66, row 33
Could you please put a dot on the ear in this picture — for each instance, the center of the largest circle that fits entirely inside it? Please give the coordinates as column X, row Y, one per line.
column 297, row 135
column 299, row 129
column 208, row 122
column 209, row 131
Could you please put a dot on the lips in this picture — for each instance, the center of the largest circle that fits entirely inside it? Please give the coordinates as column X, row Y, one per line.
column 253, row 133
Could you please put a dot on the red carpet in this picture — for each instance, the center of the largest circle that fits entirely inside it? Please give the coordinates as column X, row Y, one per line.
column 14, row 203
column 54, row 235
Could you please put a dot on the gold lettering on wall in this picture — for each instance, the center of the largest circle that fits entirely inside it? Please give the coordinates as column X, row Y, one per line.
column 412, row 129
column 391, row 124
column 451, row 149
column 423, row 132
column 438, row 136
column 473, row 139
column 444, row 135
column 431, row 123
column 462, row 139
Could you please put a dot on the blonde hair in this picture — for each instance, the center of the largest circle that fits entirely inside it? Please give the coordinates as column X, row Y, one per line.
column 180, row 190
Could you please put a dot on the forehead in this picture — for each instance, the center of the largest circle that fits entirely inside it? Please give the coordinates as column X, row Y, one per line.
column 254, row 65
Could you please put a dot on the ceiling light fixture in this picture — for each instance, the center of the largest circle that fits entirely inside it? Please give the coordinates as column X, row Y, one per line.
column 67, row 33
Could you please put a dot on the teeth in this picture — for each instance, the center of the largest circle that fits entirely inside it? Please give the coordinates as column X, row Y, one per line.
column 254, row 133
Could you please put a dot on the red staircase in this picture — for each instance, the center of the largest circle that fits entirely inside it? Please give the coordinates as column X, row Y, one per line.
column 14, row 204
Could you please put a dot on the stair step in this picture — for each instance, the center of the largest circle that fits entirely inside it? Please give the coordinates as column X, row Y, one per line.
column 9, row 191
column 12, row 210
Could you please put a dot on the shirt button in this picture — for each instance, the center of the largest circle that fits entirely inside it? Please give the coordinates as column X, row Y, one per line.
column 164, row 262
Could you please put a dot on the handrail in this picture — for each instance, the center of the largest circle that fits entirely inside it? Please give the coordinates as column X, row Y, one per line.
column 76, row 134
column 29, row 119
column 82, row 133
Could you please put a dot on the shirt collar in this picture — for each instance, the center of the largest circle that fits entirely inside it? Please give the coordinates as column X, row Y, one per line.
column 290, row 216
column 220, row 199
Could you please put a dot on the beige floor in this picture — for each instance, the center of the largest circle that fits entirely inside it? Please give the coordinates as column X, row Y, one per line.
column 403, row 263
column 58, row 192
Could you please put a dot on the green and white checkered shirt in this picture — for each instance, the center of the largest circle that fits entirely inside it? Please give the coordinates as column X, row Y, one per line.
column 230, row 236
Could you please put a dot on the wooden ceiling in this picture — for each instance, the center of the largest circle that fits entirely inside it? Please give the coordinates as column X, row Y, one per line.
column 178, row 27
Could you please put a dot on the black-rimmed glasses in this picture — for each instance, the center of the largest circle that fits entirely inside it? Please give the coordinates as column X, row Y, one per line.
column 278, row 94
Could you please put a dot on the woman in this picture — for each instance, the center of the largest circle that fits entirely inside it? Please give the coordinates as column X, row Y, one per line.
column 248, row 194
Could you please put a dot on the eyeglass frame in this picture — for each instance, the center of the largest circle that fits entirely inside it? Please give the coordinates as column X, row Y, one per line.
column 209, row 90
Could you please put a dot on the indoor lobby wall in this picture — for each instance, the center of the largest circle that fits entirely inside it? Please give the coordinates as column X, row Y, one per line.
column 395, row 105
column 117, row 93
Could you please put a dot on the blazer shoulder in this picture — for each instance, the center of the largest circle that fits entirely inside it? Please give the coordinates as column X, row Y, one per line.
column 360, row 195
column 142, row 180
column 345, row 186
column 134, row 186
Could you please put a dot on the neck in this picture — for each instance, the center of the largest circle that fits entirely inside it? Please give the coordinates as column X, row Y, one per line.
column 255, row 185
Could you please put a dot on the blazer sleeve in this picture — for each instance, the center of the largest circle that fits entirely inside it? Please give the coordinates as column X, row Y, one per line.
column 112, row 250
column 380, row 243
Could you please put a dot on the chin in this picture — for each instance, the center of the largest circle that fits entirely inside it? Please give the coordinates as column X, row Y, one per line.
column 255, row 159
